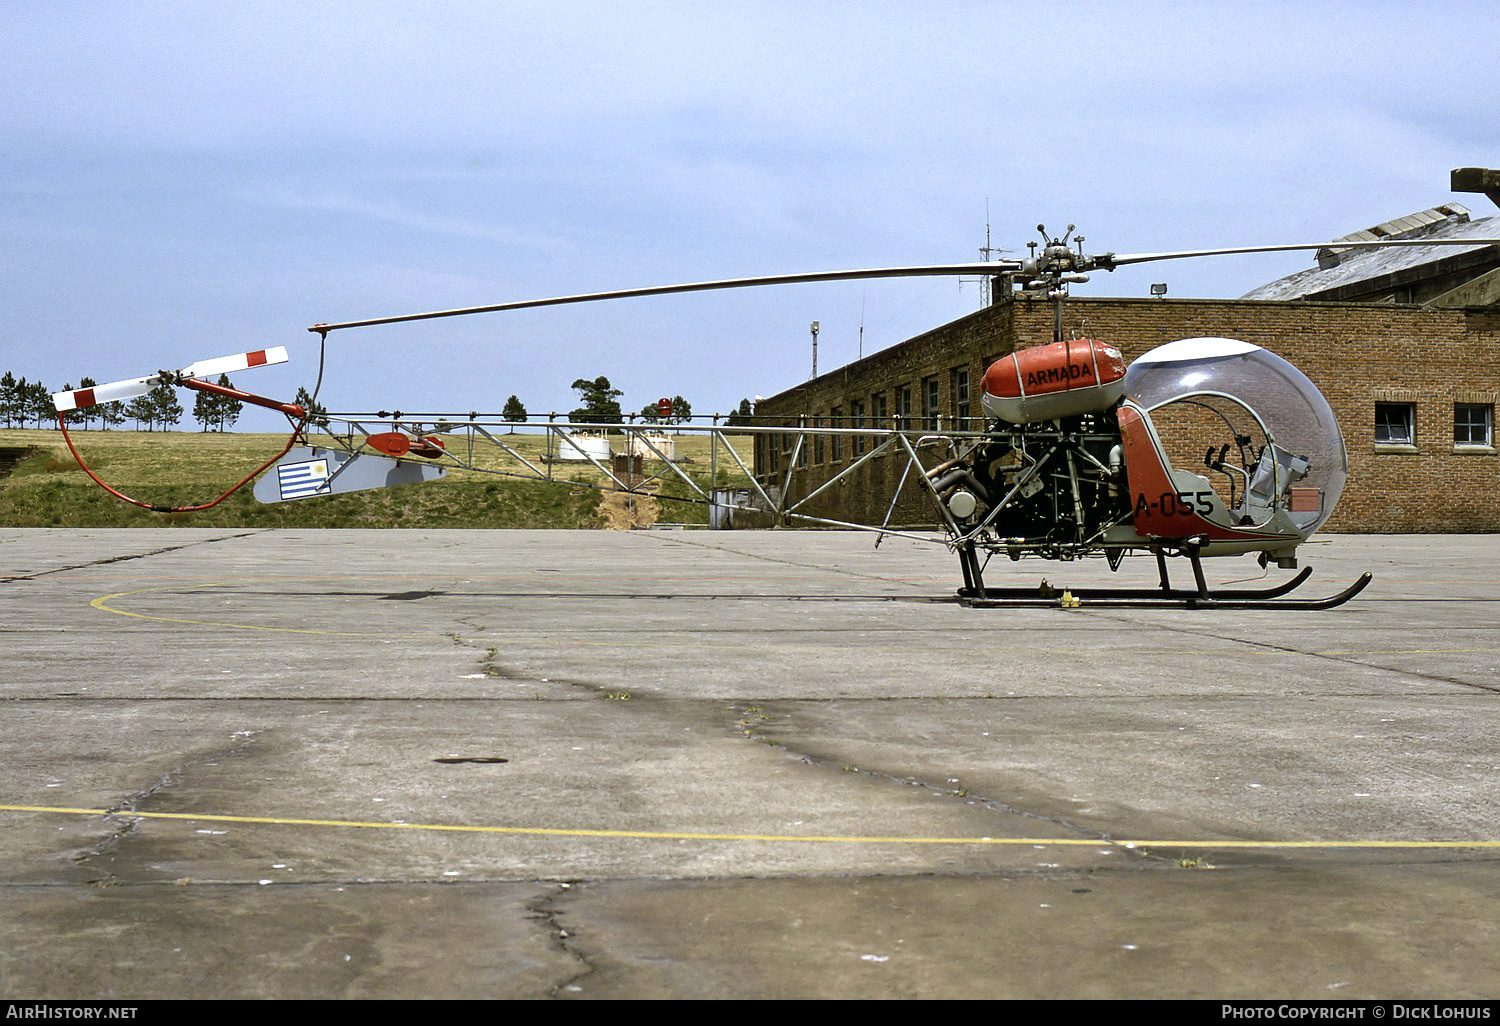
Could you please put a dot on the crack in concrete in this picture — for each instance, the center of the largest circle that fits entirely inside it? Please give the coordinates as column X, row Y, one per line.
column 491, row 667
column 123, row 559
column 548, row 909
column 751, row 716
column 125, row 825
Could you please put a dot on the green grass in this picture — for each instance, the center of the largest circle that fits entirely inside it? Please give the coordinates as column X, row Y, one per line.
column 41, row 486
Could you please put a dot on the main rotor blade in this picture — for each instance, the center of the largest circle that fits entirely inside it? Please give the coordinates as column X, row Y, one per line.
column 1106, row 261
column 1112, row 260
column 991, row 267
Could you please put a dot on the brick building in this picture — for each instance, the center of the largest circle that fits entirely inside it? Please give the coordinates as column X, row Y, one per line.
column 1405, row 346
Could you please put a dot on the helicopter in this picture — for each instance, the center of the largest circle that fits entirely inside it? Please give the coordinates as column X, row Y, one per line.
column 1202, row 447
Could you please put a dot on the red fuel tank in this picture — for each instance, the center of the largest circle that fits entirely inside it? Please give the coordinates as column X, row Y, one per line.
column 1063, row 379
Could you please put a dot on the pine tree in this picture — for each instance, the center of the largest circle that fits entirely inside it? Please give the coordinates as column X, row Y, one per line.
column 8, row 395
column 205, row 409
column 111, row 415
column 741, row 417
column 217, row 412
column 39, row 406
column 142, row 411
column 514, row 411
column 229, row 408
column 165, row 405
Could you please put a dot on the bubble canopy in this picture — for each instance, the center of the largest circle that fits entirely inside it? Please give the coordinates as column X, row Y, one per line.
column 1302, row 446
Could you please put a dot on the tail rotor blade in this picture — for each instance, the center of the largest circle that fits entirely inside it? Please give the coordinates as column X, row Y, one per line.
column 237, row 362
column 83, row 398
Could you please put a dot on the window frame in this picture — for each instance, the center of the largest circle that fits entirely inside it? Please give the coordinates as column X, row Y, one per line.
column 1408, row 418
column 1485, row 422
column 961, row 397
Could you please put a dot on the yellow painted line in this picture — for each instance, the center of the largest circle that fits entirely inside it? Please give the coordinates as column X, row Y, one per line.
column 102, row 603
column 666, row 835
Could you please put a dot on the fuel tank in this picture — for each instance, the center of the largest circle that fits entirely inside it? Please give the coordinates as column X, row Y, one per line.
column 1063, row 379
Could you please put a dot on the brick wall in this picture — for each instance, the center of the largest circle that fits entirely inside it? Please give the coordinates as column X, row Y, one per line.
column 1357, row 355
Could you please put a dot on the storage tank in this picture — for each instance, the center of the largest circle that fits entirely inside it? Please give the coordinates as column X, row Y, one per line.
column 660, row 447
column 582, row 447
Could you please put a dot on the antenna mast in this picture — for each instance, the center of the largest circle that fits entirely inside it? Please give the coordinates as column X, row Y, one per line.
column 987, row 251
column 987, row 284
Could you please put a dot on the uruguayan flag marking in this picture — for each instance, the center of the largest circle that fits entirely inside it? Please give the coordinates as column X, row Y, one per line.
column 307, row 472
column 298, row 480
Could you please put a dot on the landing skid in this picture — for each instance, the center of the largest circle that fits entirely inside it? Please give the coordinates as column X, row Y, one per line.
column 975, row 594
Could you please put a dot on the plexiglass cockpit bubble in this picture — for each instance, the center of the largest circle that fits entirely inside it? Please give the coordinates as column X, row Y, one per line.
column 1263, row 432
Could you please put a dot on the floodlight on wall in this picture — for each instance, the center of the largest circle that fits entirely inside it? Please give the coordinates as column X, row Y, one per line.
column 1159, row 290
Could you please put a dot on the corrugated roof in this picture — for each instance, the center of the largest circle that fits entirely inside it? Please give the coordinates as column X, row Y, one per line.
column 1342, row 267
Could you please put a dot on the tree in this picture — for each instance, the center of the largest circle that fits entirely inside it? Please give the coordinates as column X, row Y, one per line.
column 682, row 412
column 37, row 403
column 743, row 416
column 601, row 402
column 514, row 411
column 8, row 394
column 111, row 415
column 229, row 408
column 165, row 405
column 217, row 411
column 205, row 409
column 142, row 411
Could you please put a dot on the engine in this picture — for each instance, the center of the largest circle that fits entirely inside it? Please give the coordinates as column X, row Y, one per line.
column 1058, row 485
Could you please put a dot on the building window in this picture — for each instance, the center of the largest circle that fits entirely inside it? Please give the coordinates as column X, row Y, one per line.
column 930, row 395
column 836, row 442
column 1473, row 425
column 903, row 407
column 879, row 411
column 961, row 396
column 1395, row 424
column 857, row 413
column 817, row 442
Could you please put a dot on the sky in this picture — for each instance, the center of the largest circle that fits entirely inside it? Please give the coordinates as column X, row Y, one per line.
column 181, row 181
